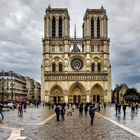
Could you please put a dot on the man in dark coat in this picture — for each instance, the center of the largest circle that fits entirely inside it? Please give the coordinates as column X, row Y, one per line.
column 57, row 111
column 1, row 106
column 124, row 109
column 92, row 113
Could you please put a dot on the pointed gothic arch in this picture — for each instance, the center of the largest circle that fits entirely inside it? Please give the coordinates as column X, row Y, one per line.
column 97, row 93
column 77, row 93
column 56, row 94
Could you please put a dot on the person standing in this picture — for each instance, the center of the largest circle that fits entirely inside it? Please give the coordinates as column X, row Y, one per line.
column 57, row 111
column 1, row 106
column 20, row 109
column 92, row 114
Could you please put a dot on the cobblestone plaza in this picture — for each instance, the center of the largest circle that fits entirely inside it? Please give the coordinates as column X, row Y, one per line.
column 40, row 124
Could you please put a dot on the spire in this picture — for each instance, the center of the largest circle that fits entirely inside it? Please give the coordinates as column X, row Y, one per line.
column 49, row 7
column 75, row 31
column 102, row 7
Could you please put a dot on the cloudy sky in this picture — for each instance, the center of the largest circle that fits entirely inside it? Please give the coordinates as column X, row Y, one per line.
column 21, row 31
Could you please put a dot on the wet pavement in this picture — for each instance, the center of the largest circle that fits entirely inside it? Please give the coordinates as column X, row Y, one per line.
column 131, row 121
column 74, row 127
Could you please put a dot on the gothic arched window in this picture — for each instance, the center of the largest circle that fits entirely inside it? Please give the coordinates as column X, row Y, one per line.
column 60, row 67
column 92, row 67
column 53, row 27
column 99, row 67
column 60, row 27
column 92, row 28
column 53, row 67
column 98, row 27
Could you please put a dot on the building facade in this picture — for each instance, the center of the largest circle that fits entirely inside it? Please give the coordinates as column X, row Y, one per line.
column 119, row 92
column 16, row 87
column 75, row 70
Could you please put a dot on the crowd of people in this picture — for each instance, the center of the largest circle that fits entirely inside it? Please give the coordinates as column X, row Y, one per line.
column 68, row 109
column 21, row 107
column 134, row 108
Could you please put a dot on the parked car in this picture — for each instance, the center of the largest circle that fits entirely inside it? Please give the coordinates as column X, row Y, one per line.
column 6, row 108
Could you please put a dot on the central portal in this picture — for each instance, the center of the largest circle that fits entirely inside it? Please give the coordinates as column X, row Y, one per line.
column 77, row 94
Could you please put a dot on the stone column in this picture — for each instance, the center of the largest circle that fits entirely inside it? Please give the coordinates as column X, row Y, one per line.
column 95, row 27
column 47, row 27
column 63, row 27
column 66, row 98
column 85, row 28
column 57, row 27
column 101, row 27
column 66, row 27
column 50, row 27
column 88, row 27
column 88, row 98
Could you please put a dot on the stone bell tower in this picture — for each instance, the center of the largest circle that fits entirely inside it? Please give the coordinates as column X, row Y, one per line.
column 55, row 45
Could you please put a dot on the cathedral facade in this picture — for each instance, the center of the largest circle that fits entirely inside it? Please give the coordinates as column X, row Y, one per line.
column 75, row 70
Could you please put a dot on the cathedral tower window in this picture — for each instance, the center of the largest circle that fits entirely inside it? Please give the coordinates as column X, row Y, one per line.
column 53, row 27
column 60, row 67
column 53, row 67
column 92, row 28
column 99, row 67
column 92, row 67
column 60, row 27
column 98, row 27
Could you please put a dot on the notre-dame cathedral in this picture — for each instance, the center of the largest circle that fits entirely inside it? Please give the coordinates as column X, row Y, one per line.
column 75, row 70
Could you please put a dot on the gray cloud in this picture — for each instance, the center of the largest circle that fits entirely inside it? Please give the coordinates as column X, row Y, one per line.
column 21, row 30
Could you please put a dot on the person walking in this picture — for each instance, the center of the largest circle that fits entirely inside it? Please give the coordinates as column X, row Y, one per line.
column 86, row 109
column 81, row 109
column 1, row 106
column 57, row 111
column 124, row 109
column 25, row 106
column 92, row 114
column 62, row 113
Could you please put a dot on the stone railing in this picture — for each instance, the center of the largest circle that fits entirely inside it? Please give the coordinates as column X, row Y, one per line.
column 72, row 76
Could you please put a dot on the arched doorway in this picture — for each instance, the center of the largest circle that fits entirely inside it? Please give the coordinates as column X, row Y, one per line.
column 97, row 94
column 56, row 94
column 77, row 94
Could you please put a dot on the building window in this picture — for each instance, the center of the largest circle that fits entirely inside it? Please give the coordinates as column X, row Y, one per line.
column 92, row 67
column 60, row 67
column 92, row 48
column 53, row 27
column 53, row 49
column 99, row 67
column 53, row 67
column 98, row 27
column 60, row 27
column 98, row 48
column 61, row 49
column 92, row 28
